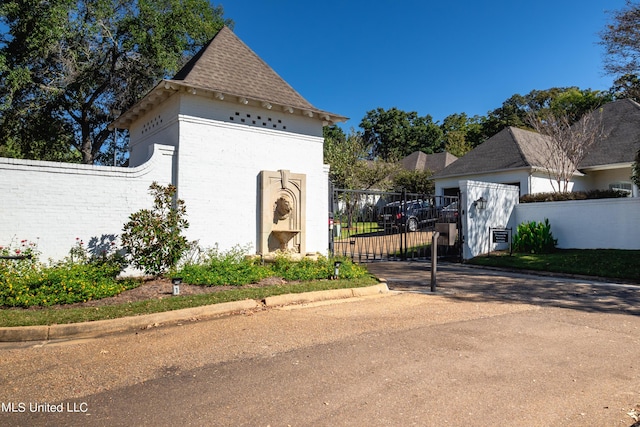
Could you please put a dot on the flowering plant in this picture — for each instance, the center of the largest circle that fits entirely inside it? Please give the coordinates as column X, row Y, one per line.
column 19, row 258
column 25, row 282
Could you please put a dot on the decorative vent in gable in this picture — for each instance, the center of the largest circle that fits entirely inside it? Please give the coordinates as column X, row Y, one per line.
column 152, row 124
column 257, row 121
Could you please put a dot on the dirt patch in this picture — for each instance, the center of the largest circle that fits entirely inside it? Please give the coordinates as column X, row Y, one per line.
column 163, row 288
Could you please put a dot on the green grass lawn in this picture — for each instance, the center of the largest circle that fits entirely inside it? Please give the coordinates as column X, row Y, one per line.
column 357, row 228
column 49, row 316
column 609, row 263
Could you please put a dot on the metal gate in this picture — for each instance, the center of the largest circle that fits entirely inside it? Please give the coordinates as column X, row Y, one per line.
column 378, row 225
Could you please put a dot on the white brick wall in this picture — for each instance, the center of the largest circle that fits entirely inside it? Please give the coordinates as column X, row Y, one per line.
column 501, row 200
column 219, row 165
column 588, row 224
column 55, row 203
column 212, row 151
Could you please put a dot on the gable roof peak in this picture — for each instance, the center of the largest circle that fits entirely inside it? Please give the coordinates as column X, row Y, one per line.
column 227, row 69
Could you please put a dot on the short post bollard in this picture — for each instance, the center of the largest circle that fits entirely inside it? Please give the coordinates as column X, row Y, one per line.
column 434, row 259
column 176, row 281
column 336, row 269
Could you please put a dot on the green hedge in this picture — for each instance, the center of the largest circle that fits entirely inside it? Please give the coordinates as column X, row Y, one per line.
column 573, row 195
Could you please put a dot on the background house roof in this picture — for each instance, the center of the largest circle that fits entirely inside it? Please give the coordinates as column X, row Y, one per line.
column 511, row 148
column 420, row 161
column 228, row 69
column 514, row 148
column 621, row 121
column 229, row 66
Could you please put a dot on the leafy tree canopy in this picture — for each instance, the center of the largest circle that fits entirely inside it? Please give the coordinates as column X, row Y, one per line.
column 516, row 110
column 627, row 86
column 67, row 66
column 393, row 134
column 418, row 182
column 621, row 42
column 350, row 169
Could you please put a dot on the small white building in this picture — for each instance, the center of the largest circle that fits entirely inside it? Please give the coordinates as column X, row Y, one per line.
column 517, row 157
column 210, row 131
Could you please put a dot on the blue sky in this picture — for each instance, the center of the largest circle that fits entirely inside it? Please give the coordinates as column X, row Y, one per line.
column 437, row 58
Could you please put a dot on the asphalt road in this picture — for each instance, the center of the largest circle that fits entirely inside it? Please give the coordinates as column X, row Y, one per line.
column 486, row 349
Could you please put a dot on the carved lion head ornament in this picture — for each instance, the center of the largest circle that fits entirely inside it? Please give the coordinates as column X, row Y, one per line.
column 283, row 207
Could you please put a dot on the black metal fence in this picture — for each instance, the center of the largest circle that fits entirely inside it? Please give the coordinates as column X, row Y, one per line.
column 378, row 225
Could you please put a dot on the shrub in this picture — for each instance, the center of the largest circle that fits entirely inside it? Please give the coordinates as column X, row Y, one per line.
column 534, row 237
column 307, row 269
column 153, row 237
column 110, row 262
column 233, row 267
column 224, row 268
column 78, row 278
column 573, row 195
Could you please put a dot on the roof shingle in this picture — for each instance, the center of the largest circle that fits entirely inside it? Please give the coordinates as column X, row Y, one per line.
column 229, row 66
column 621, row 121
column 511, row 148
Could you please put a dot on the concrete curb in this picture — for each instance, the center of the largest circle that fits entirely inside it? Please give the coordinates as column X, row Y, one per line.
column 332, row 294
column 104, row 327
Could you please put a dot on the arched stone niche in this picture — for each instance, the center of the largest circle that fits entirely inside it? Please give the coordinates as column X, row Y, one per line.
column 282, row 212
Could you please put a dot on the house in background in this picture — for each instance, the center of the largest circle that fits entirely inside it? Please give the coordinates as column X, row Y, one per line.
column 517, row 157
column 420, row 161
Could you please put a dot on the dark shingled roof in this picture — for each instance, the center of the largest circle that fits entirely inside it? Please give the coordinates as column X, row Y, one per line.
column 511, row 148
column 621, row 120
column 514, row 148
column 420, row 161
column 229, row 66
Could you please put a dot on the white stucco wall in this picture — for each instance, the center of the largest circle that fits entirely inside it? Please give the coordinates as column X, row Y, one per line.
column 55, row 203
column 523, row 177
column 214, row 156
column 220, row 161
column 501, row 201
column 158, row 126
column 588, row 224
column 601, row 179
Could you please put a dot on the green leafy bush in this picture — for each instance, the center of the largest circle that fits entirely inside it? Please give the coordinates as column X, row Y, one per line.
column 534, row 237
column 224, row 268
column 573, row 195
column 304, row 269
column 307, row 269
column 65, row 284
column 233, row 267
column 78, row 278
column 153, row 237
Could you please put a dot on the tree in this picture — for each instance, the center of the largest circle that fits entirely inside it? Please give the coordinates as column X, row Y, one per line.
column 456, row 144
column 418, row 182
column 576, row 103
column 66, row 66
column 517, row 110
column 393, row 134
column 350, row 169
column 635, row 176
column 153, row 237
column 621, row 42
column 461, row 133
column 627, row 86
column 566, row 143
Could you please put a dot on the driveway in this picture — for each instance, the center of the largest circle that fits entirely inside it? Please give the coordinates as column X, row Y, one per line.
column 486, row 349
column 468, row 282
